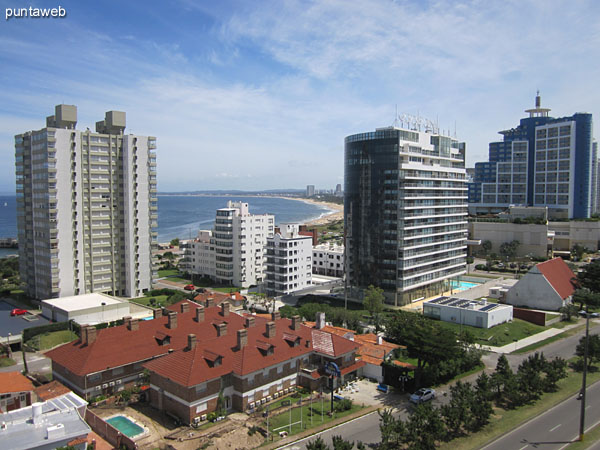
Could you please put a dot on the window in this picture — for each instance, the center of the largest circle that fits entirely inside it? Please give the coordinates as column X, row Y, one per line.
column 118, row 371
column 201, row 407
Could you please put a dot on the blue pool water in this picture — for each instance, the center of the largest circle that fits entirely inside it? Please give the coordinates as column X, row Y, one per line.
column 462, row 285
column 125, row 426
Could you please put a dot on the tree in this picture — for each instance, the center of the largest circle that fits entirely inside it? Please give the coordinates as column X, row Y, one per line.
column 568, row 312
column 425, row 427
column 340, row 443
column 578, row 251
column 424, row 339
column 589, row 276
column 486, row 246
column 170, row 257
column 393, row 431
column 509, row 249
column 555, row 370
column 593, row 349
column 587, row 297
column 373, row 300
column 175, row 242
column 317, row 444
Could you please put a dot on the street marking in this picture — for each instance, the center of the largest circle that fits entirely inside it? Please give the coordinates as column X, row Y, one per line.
column 588, row 407
column 552, row 429
column 524, row 447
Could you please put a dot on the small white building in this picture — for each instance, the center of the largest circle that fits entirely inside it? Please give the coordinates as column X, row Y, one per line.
column 328, row 259
column 87, row 309
column 548, row 286
column 480, row 314
column 289, row 261
column 199, row 255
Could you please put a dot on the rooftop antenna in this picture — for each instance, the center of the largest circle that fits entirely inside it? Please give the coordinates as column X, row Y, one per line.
column 454, row 129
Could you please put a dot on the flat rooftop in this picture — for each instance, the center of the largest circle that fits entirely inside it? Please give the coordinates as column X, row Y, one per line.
column 460, row 303
column 79, row 302
column 15, row 325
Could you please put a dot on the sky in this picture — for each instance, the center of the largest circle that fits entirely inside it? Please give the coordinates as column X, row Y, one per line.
column 260, row 95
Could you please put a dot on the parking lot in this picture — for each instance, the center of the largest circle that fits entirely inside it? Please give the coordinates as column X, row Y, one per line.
column 15, row 325
column 364, row 392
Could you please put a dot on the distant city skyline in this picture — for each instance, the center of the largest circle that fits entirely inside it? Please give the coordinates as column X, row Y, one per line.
column 258, row 96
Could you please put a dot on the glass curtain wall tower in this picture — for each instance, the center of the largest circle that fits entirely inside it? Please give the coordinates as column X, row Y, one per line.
column 405, row 208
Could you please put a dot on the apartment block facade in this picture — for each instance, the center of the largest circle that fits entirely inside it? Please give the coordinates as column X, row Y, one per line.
column 233, row 253
column 289, row 261
column 328, row 259
column 405, row 208
column 544, row 161
column 86, row 207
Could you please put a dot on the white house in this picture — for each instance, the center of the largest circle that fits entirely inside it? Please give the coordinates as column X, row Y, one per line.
column 548, row 286
column 474, row 313
column 88, row 309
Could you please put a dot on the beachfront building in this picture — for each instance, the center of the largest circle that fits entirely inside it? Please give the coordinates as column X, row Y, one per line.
column 233, row 253
column 199, row 255
column 405, row 208
column 310, row 190
column 544, row 161
column 86, row 207
column 289, row 261
column 328, row 259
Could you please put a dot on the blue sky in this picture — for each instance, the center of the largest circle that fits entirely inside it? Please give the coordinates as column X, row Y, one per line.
column 260, row 95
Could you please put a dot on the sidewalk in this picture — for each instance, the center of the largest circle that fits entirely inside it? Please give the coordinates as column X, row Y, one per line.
column 509, row 348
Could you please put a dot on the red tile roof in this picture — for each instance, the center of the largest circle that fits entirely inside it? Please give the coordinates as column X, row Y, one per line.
column 559, row 275
column 404, row 364
column 51, row 390
column 14, row 382
column 340, row 331
column 218, row 297
column 189, row 367
column 372, row 352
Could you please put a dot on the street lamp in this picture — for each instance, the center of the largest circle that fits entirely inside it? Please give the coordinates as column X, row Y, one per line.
column 587, row 316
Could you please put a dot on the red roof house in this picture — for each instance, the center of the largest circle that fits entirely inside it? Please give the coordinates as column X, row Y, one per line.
column 15, row 391
column 547, row 286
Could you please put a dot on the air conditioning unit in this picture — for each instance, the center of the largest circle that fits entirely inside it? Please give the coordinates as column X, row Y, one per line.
column 203, row 417
column 275, row 395
column 104, row 386
column 263, row 401
column 119, row 381
column 140, row 375
column 286, row 390
column 251, row 405
column 269, row 398
column 112, row 383
column 196, row 420
column 98, row 388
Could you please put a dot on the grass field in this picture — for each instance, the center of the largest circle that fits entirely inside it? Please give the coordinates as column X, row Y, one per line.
column 501, row 334
column 168, row 273
column 162, row 299
column 6, row 362
column 320, row 416
column 503, row 421
column 49, row 340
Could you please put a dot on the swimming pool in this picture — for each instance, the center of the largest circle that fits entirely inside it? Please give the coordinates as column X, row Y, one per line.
column 462, row 285
column 125, row 426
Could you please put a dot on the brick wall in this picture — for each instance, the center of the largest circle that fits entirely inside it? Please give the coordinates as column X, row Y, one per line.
column 535, row 317
column 108, row 432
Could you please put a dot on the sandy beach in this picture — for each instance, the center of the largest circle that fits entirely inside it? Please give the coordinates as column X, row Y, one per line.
column 336, row 214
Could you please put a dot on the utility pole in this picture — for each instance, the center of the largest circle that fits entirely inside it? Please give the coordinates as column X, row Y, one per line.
column 583, row 382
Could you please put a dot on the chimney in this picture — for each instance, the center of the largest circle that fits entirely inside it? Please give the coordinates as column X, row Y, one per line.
column 157, row 313
column 242, row 338
column 270, row 329
column 185, row 307
column 191, row 342
column 275, row 315
column 172, row 323
column 127, row 321
column 221, row 329
column 225, row 309
column 320, row 320
column 379, row 340
column 200, row 314
column 88, row 334
column 250, row 322
column 210, row 302
column 295, row 322
column 133, row 324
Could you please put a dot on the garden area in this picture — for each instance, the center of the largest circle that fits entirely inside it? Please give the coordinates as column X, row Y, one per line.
column 50, row 339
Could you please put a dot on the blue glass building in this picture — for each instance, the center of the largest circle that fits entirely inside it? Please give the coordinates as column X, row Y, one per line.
column 544, row 161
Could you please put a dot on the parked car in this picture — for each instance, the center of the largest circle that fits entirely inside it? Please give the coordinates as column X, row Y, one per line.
column 422, row 395
column 18, row 312
column 189, row 287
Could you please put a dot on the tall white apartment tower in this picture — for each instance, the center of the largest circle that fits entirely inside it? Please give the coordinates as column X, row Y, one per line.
column 86, row 207
column 289, row 261
column 240, row 239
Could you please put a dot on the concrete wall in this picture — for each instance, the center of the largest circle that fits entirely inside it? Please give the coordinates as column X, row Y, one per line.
column 575, row 232
column 534, row 291
column 373, row 371
column 533, row 238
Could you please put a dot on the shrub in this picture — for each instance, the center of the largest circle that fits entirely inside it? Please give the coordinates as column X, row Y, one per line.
column 343, row 405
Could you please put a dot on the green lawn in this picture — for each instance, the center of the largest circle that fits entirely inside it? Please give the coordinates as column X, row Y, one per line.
column 282, row 420
column 6, row 362
column 168, row 272
column 499, row 335
column 557, row 337
column 162, row 299
column 504, row 421
column 178, row 279
column 49, row 340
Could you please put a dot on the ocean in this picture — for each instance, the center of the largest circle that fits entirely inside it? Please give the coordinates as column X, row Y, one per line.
column 181, row 216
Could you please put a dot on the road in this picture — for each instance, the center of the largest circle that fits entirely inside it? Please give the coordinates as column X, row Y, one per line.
column 37, row 363
column 554, row 429
column 366, row 428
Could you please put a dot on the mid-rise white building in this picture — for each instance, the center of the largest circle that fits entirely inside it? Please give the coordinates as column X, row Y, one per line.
column 86, row 207
column 289, row 261
column 233, row 253
column 328, row 259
